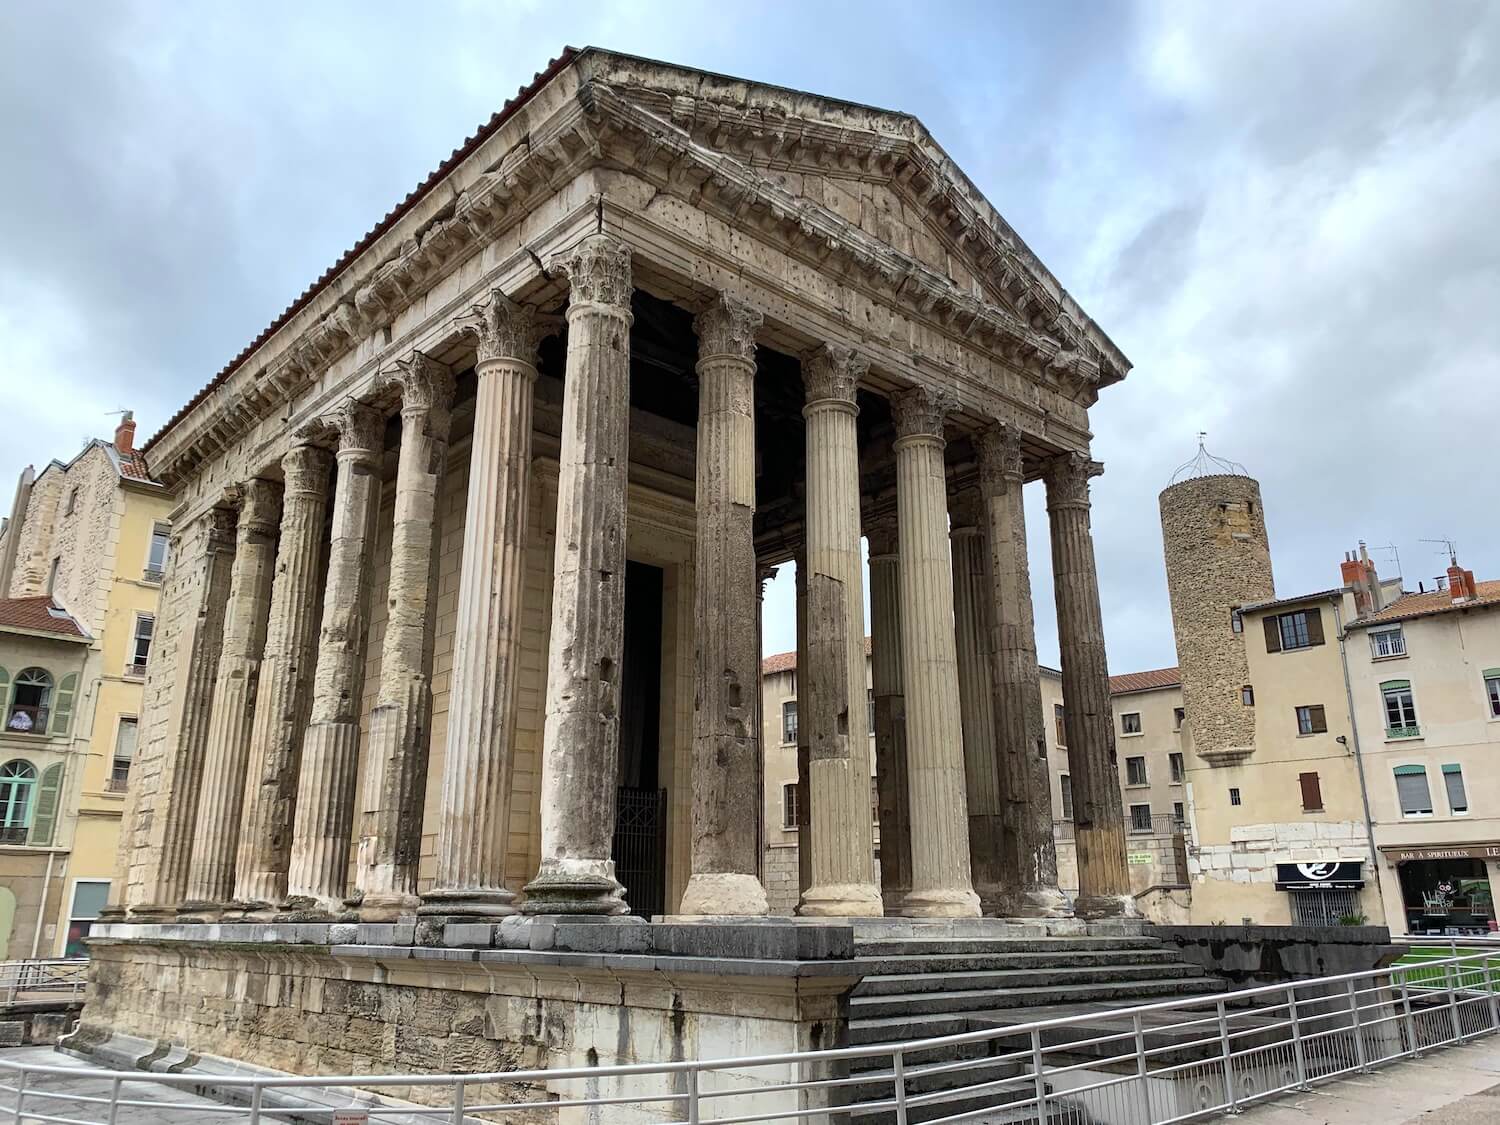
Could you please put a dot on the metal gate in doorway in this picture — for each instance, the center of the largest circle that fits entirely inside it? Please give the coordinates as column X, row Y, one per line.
column 640, row 848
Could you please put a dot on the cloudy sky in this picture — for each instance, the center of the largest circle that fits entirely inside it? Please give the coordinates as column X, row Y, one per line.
column 1287, row 215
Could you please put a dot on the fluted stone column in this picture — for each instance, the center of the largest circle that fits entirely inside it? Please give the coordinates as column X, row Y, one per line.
column 804, row 751
column 323, row 818
column 390, row 838
column 1098, row 818
column 580, row 741
column 940, row 884
column 285, row 688
column 726, row 743
column 891, row 781
column 1017, row 681
column 831, row 688
column 473, row 820
column 993, row 868
column 173, row 821
column 216, row 829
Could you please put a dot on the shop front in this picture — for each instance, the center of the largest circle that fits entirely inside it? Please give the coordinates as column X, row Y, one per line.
column 1445, row 889
column 1323, row 894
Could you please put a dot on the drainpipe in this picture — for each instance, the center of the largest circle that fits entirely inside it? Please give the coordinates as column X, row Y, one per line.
column 41, row 911
column 1359, row 762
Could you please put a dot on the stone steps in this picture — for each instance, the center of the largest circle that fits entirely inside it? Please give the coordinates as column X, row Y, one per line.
column 926, row 946
column 912, row 984
column 984, row 999
column 982, row 962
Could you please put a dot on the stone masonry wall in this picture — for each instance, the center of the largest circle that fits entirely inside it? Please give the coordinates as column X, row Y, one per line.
column 779, row 873
column 1254, row 850
column 1218, row 558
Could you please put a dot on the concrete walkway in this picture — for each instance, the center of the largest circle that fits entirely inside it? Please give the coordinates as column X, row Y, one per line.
column 1453, row 1086
column 147, row 1091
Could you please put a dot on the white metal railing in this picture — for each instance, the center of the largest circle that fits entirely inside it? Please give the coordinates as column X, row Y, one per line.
column 66, row 976
column 1152, row 1064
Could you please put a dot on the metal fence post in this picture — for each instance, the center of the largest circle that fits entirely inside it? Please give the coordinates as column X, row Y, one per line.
column 1359, row 1033
column 692, row 1092
column 20, row 1095
column 257, row 1093
column 1231, row 1095
column 458, row 1103
column 1489, row 992
column 898, row 1070
column 1458, row 1031
column 1414, row 1040
column 1299, row 1051
column 1141, row 1069
column 1039, row 1074
column 114, row 1101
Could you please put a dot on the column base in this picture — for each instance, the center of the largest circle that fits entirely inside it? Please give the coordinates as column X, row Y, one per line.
column 200, row 910
column 724, row 895
column 315, row 908
column 575, row 886
column 387, row 906
column 141, row 912
column 842, row 900
column 1043, row 902
column 1092, row 907
column 941, row 903
column 467, row 902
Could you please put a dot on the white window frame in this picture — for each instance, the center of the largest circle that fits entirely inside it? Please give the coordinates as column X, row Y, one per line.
column 794, row 729
column 1136, row 828
column 1129, row 771
column 155, row 574
column 1492, row 695
column 1406, row 702
column 1065, row 794
column 788, row 804
column 62, row 938
column 1124, row 726
column 136, row 665
column 111, row 783
column 1387, row 644
column 1413, row 814
column 1455, row 769
column 1177, row 767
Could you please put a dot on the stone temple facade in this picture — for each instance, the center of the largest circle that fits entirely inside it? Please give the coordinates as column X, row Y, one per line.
column 460, row 635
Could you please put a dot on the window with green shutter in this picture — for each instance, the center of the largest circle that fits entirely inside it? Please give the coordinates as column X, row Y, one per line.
column 62, row 704
column 48, row 797
column 1412, row 792
column 1453, row 783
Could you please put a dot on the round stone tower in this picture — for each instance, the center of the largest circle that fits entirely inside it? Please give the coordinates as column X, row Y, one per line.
column 1213, row 531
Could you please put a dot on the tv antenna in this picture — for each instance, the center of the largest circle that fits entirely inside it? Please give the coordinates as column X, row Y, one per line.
column 1450, row 548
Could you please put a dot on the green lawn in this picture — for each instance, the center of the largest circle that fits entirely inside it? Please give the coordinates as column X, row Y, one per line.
column 1468, row 976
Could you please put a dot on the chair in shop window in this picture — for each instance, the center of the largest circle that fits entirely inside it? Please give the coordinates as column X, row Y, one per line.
column 1436, row 904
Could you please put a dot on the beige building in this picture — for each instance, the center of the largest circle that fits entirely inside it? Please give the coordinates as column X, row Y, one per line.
column 82, row 556
column 1424, row 674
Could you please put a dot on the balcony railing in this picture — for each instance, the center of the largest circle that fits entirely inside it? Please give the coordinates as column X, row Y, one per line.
column 13, row 835
column 136, row 670
column 1413, row 731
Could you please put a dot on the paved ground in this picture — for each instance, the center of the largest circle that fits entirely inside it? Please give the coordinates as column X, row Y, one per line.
column 154, row 1114
column 1456, row 1086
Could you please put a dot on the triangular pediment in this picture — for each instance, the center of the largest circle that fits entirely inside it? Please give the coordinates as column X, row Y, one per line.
column 873, row 180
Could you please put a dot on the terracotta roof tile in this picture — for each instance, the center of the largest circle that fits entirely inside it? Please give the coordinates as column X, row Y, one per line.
column 455, row 158
column 1145, row 681
column 37, row 614
column 1316, row 596
column 1433, row 601
column 787, row 661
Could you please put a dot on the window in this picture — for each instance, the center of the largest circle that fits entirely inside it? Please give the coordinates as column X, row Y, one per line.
column 1130, row 722
column 1247, row 695
column 28, row 712
column 1311, row 719
column 72, row 505
column 1234, row 796
column 1179, row 818
column 1400, row 709
column 1386, row 643
column 1312, row 792
column 1067, row 796
column 1236, row 620
column 1412, row 792
column 791, row 808
column 1179, row 716
column 1140, row 818
column 1135, row 771
column 1323, row 908
column 870, row 706
column 52, row 575
column 1492, row 690
column 1453, row 783
column 1174, row 760
column 89, row 897
column 140, row 644
column 1300, row 629
column 1059, row 724
column 17, row 795
column 125, row 741
column 789, row 721
column 156, row 557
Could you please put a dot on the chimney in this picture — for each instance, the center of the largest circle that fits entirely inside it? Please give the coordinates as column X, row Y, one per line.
column 1461, row 586
column 125, row 433
column 1358, row 574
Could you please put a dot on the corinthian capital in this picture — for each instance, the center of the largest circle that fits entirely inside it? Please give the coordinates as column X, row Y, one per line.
column 832, row 372
column 504, row 329
column 360, row 428
column 426, row 385
column 1068, row 476
column 598, row 270
column 1000, row 460
column 727, row 327
column 306, row 468
column 259, row 502
column 920, row 411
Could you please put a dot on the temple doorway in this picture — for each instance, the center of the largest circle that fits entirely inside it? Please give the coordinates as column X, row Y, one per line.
column 640, row 841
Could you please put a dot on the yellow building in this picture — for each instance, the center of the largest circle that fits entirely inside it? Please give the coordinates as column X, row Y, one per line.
column 81, row 561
